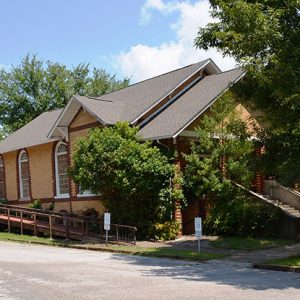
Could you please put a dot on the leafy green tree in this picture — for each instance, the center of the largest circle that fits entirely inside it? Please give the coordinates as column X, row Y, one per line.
column 264, row 37
column 223, row 153
column 222, row 156
column 36, row 86
column 132, row 177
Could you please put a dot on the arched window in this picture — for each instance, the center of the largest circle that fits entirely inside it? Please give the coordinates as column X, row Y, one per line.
column 24, row 177
column 61, row 165
column 2, row 179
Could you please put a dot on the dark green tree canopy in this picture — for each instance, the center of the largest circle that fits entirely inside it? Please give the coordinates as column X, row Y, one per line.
column 223, row 153
column 36, row 86
column 264, row 37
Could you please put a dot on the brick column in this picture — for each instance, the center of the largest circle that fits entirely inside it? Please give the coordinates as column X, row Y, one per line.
column 178, row 217
column 178, row 166
column 259, row 175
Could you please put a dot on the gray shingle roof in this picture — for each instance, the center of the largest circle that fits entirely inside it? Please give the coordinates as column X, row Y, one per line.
column 190, row 105
column 107, row 112
column 130, row 102
column 33, row 133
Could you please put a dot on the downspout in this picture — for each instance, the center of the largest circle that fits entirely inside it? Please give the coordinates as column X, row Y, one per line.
column 160, row 143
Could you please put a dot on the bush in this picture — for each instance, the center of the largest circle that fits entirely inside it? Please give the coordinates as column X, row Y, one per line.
column 51, row 207
column 132, row 176
column 164, row 231
column 243, row 216
column 3, row 201
column 36, row 204
column 90, row 212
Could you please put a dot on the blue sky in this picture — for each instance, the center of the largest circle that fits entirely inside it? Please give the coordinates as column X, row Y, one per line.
column 129, row 38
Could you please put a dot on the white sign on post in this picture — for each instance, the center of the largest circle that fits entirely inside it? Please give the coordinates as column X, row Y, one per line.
column 107, row 221
column 198, row 230
column 198, row 227
column 106, row 226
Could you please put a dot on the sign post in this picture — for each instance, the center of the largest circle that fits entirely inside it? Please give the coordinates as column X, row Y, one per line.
column 198, row 231
column 106, row 225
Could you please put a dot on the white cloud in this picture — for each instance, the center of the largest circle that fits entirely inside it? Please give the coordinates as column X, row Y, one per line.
column 143, row 61
column 146, row 10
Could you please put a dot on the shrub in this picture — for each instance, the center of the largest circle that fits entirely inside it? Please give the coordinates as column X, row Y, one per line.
column 164, row 231
column 90, row 212
column 132, row 176
column 3, row 201
column 243, row 216
column 36, row 204
column 51, row 207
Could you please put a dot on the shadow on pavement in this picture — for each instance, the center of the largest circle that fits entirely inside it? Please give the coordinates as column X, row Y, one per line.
column 240, row 275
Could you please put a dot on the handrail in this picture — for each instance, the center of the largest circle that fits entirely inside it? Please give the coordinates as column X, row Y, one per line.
column 285, row 195
column 38, row 213
column 45, row 218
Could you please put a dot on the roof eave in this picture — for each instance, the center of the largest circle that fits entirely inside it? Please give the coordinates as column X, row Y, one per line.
column 62, row 114
column 30, row 145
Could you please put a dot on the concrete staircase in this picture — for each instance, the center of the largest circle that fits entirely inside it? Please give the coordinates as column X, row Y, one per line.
column 285, row 198
column 288, row 201
column 286, row 208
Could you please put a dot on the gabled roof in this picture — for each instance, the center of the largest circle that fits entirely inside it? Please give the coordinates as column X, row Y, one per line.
column 130, row 103
column 33, row 133
column 172, row 119
column 136, row 99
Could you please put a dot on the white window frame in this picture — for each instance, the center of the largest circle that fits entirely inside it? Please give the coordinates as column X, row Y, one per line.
column 84, row 193
column 58, row 194
column 20, row 175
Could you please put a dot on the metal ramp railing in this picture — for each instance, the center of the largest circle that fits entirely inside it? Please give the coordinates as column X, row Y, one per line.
column 63, row 225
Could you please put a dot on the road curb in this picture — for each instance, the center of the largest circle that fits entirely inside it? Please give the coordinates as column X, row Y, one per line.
column 277, row 268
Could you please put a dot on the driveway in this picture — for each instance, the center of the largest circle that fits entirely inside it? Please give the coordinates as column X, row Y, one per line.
column 41, row 272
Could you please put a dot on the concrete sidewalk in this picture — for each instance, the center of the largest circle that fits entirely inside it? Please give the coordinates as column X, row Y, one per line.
column 247, row 256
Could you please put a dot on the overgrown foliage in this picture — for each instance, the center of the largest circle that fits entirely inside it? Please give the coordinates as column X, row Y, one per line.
column 132, row 177
column 264, row 37
column 36, row 204
column 239, row 215
column 35, row 86
column 164, row 231
column 223, row 156
column 223, row 153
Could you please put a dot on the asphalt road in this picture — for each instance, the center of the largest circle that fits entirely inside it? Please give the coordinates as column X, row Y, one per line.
column 40, row 272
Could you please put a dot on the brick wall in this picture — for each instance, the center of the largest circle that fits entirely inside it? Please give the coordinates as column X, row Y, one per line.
column 11, row 175
column 40, row 159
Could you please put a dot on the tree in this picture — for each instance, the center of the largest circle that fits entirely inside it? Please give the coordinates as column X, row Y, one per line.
column 264, row 37
column 223, row 153
column 222, row 156
column 36, row 86
column 132, row 177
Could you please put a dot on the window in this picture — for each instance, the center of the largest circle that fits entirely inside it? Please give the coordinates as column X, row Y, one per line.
column 84, row 193
column 61, row 165
column 24, row 178
column 2, row 179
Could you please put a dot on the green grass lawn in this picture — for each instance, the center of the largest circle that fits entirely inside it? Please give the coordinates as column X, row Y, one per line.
column 4, row 236
column 167, row 252
column 248, row 243
column 133, row 250
column 292, row 261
